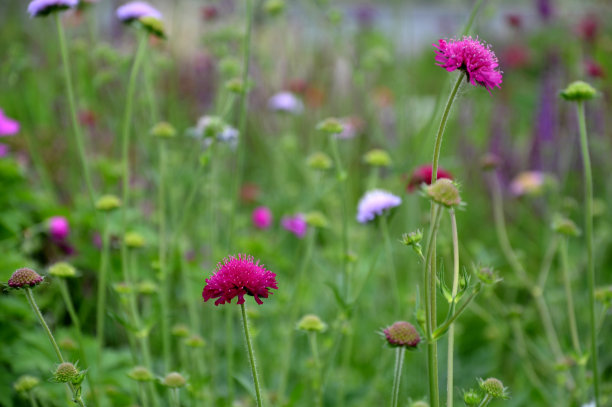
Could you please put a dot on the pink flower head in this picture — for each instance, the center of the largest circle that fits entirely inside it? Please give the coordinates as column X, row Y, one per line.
column 471, row 56
column 4, row 150
column 58, row 227
column 295, row 224
column 262, row 217
column 237, row 276
column 8, row 126
column 423, row 175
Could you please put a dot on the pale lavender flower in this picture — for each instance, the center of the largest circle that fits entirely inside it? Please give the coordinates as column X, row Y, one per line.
column 286, row 102
column 374, row 203
column 528, row 183
column 39, row 8
column 137, row 9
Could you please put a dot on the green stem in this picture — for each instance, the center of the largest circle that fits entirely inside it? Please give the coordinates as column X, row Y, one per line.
column 399, row 360
column 144, row 395
column 76, row 127
column 451, row 329
column 485, row 401
column 73, row 316
column 468, row 26
column 446, row 325
column 588, row 229
column 165, row 282
column 569, row 297
column 32, row 398
column 318, row 388
column 247, row 337
column 341, row 174
column 175, row 398
column 101, row 307
column 384, row 226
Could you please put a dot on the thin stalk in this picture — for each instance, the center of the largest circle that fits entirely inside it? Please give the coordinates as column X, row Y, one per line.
column 175, row 398
column 165, row 283
column 76, row 127
column 468, row 25
column 32, row 399
column 343, row 191
column 73, row 317
column 384, row 227
column 144, row 395
column 101, row 306
column 588, row 229
column 485, row 401
column 318, row 388
column 399, row 360
column 451, row 328
column 569, row 297
column 247, row 337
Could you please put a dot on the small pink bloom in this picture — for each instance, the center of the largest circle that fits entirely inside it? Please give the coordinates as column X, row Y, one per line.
column 423, row 175
column 58, row 227
column 8, row 126
column 262, row 217
column 527, row 183
column 594, row 69
column 4, row 150
column 295, row 224
column 471, row 56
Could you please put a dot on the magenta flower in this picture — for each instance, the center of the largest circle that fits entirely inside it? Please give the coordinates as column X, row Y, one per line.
column 237, row 276
column 375, row 203
column 58, row 227
column 262, row 217
column 38, row 8
column 8, row 126
column 137, row 9
column 295, row 224
column 471, row 56
column 4, row 150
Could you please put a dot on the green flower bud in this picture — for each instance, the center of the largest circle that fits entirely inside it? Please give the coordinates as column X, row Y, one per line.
column 108, row 203
column 565, row 227
column 377, row 158
column 134, row 240
column 444, row 192
column 154, row 26
column 147, row 287
column 25, row 383
column 140, row 374
column 316, row 219
column 195, row 341
column 578, row 91
column 66, row 373
column 123, row 288
column 180, row 330
column 163, row 130
column 311, row 323
column 472, row 397
column 274, row 7
column 319, row 161
column 487, row 275
column 174, row 380
column 330, row 126
column 62, row 269
column 493, row 387
column 235, row 85
column 230, row 67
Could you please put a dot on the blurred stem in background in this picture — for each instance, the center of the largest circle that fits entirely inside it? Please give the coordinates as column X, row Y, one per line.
column 384, row 228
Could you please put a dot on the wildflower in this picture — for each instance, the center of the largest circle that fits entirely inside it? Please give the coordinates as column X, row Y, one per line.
column 262, row 217
column 374, row 203
column 594, row 69
column 319, row 161
column 286, row 102
column 134, row 240
column 25, row 383
column 423, row 175
column 163, row 130
column 4, row 150
column 58, row 227
column 402, row 333
column 140, row 374
column 108, row 203
column 174, row 380
column 63, row 270
column 136, row 10
column 471, row 56
column 377, row 158
column 237, row 277
column 24, row 277
column 295, row 224
column 311, row 323
column 444, row 192
column 578, row 90
column 209, row 12
column 527, row 183
column 40, row 8
column 66, row 373
column 514, row 20
column 8, row 126
column 493, row 387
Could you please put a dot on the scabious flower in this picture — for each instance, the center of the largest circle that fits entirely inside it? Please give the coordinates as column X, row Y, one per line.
column 402, row 333
column 295, row 224
column 237, row 277
column 4, row 150
column 24, row 277
column 136, row 10
column 471, row 56
column 423, row 175
column 262, row 217
column 58, row 227
column 8, row 126
column 39, row 8
column 374, row 203
column 286, row 102
column 527, row 183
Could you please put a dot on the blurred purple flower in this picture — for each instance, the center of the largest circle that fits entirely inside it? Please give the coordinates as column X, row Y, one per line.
column 365, row 14
column 374, row 203
column 4, row 150
column 545, row 9
column 295, row 224
column 527, row 183
column 38, row 8
column 262, row 217
column 286, row 102
column 351, row 126
column 137, row 9
column 59, row 227
column 8, row 126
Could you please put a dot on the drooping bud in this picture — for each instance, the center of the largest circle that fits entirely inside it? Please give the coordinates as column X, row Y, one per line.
column 24, row 277
column 311, row 323
column 402, row 333
column 174, row 380
column 140, row 374
column 444, row 192
column 578, row 91
column 108, row 203
column 377, row 158
column 413, row 239
column 63, row 270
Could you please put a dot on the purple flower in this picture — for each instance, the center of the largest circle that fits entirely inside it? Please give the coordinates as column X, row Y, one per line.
column 137, row 9
column 237, row 277
column 262, row 217
column 472, row 57
column 374, row 203
column 38, row 8
column 295, row 224
column 58, row 227
column 8, row 126
column 4, row 150
column 286, row 102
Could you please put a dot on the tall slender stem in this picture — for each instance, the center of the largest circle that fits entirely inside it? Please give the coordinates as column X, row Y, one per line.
column 32, row 398
column 76, row 127
column 588, row 229
column 451, row 329
column 101, row 306
column 341, row 174
column 73, row 316
column 165, row 306
column 399, row 361
column 247, row 337
column 384, row 226
column 318, row 387
column 569, row 297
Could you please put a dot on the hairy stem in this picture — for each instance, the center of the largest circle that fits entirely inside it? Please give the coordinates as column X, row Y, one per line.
column 247, row 338
column 451, row 329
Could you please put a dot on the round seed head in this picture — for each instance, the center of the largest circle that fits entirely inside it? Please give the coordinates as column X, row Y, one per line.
column 174, row 380
column 25, row 383
column 62, row 269
column 493, row 387
column 108, row 203
column 66, row 373
column 402, row 333
column 24, row 277
column 311, row 323
column 140, row 374
column 444, row 192
column 578, row 91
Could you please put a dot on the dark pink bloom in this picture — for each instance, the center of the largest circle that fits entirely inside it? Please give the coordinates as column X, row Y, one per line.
column 588, row 28
column 423, row 175
column 262, row 217
column 514, row 20
column 295, row 224
column 8, row 126
column 58, row 227
column 471, row 56
column 237, row 277
column 594, row 70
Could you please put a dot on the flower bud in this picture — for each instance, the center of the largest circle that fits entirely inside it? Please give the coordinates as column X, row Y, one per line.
column 472, row 397
column 494, row 388
column 180, row 330
column 274, row 7
column 108, row 203
column 66, row 373
column 235, row 85
column 319, row 161
column 154, row 26
column 316, row 219
column 62, row 269
column 68, row 343
column 163, row 130
column 330, row 126
column 402, row 333
column 24, row 277
column 195, row 341
column 174, row 380
column 377, row 158
column 565, row 226
column 134, row 240
column 489, row 162
column 147, row 287
column 123, row 288
column 444, row 192
column 487, row 275
column 412, row 238
column 578, row 91
column 311, row 323
column 140, row 374
column 25, row 383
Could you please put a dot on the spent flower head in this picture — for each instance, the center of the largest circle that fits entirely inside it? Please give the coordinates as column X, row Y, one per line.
column 24, row 277
column 67, row 372
column 402, row 333
column 41, row 8
column 237, row 277
column 444, row 192
column 375, row 203
column 63, row 270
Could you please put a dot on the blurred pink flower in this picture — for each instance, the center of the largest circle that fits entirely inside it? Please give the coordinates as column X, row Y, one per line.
column 262, row 217
column 594, row 69
column 4, row 150
column 527, row 183
column 8, row 126
column 58, row 227
column 295, row 224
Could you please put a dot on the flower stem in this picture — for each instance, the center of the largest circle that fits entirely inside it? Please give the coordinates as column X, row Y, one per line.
column 318, row 388
column 569, row 297
column 384, row 226
column 32, row 398
column 247, row 337
column 588, row 229
column 399, row 360
column 175, row 399
column 76, row 127
column 485, row 401
column 341, row 174
column 164, row 290
column 101, row 306
column 73, row 316
column 451, row 328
